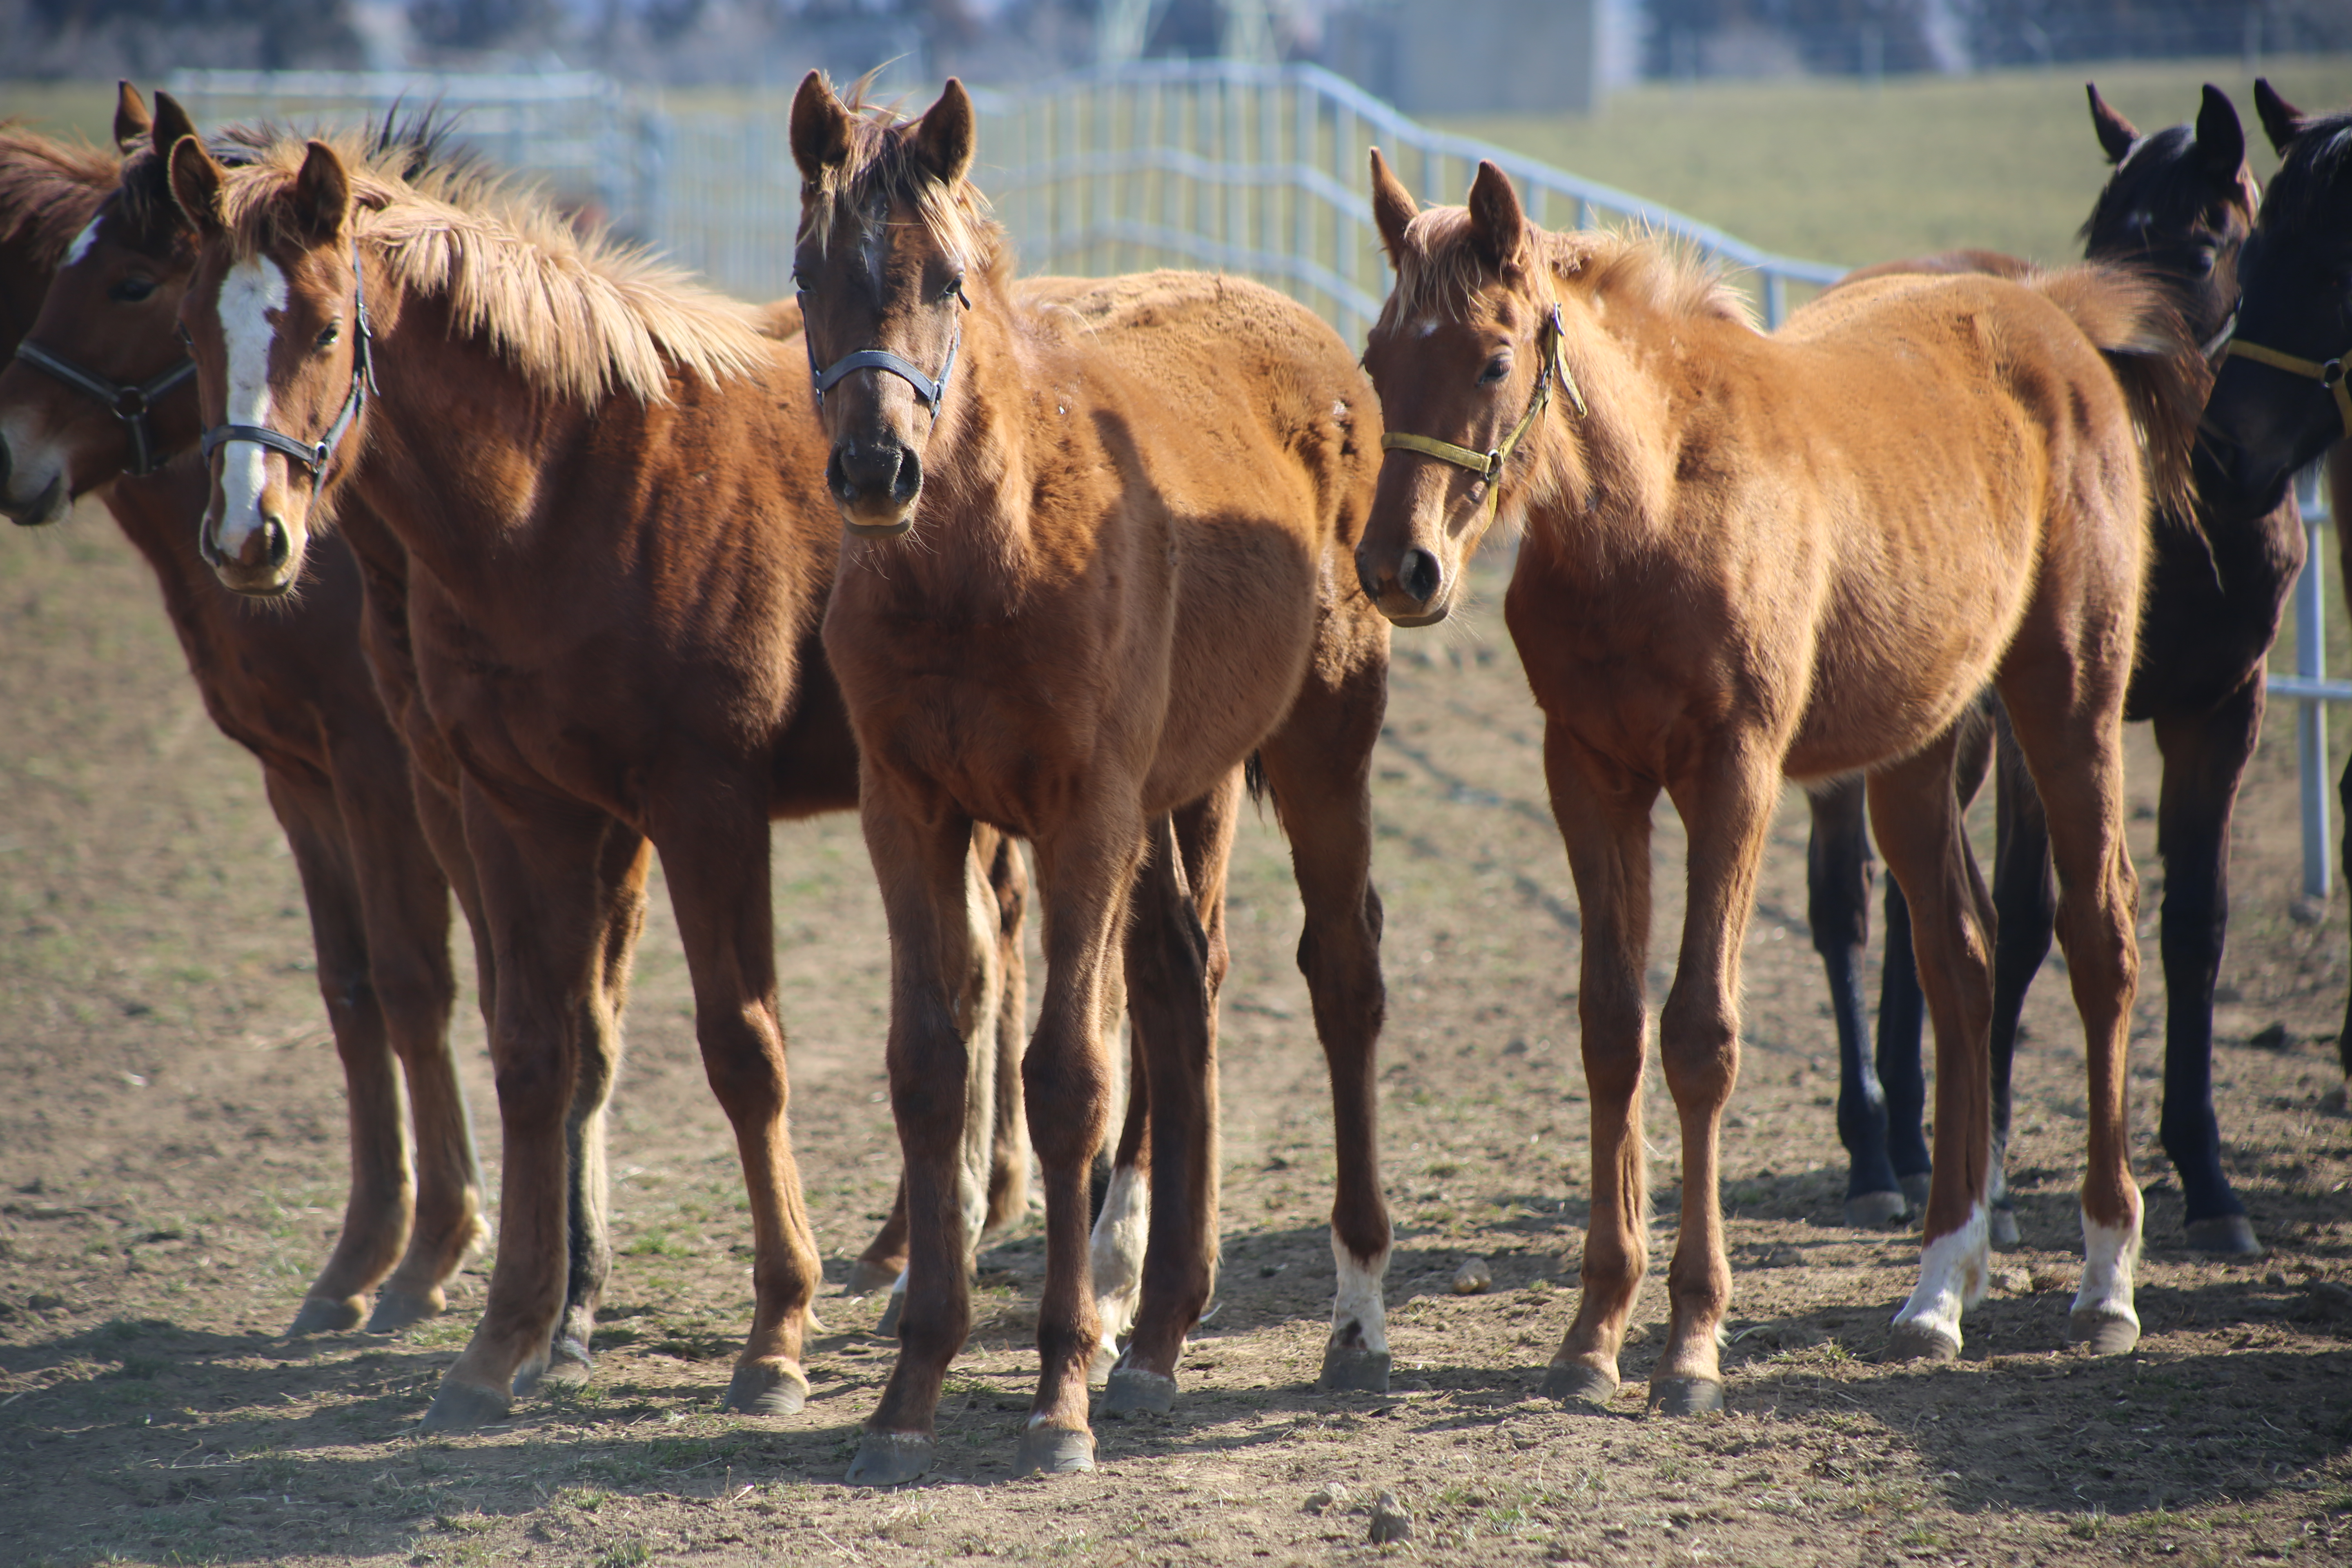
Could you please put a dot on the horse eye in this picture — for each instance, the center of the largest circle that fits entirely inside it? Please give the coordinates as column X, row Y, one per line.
column 1497, row 369
column 329, row 333
column 130, row 290
column 954, row 290
column 186, row 340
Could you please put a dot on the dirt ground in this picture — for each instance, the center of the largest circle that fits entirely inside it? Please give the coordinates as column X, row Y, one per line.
column 172, row 1171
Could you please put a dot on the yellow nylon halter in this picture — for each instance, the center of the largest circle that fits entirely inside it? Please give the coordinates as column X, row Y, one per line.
column 2329, row 375
column 1488, row 465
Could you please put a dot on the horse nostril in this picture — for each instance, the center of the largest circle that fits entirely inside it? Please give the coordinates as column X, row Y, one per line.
column 910, row 476
column 836, row 478
column 1420, row 577
column 1369, row 579
column 273, row 540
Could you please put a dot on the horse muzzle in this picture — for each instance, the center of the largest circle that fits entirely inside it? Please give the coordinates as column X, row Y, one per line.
column 1415, row 592
column 261, row 563
column 47, row 505
column 876, row 484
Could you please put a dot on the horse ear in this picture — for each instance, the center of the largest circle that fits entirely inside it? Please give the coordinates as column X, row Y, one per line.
column 131, row 123
column 820, row 128
column 1392, row 208
column 1498, row 226
column 196, row 184
column 322, row 194
column 944, row 138
column 172, row 122
column 2116, row 134
column 2221, row 140
column 2281, row 119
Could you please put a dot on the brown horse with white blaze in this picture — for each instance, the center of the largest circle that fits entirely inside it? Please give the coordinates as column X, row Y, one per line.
column 1803, row 556
column 1096, row 554
column 614, row 578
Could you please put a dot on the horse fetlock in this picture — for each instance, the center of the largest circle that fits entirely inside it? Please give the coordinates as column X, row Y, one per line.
column 1955, row 1271
column 2103, row 1317
column 329, row 1315
column 891, row 1458
column 770, row 1385
column 569, row 1363
column 1116, row 1254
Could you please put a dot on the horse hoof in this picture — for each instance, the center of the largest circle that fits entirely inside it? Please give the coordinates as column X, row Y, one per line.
column 865, row 1279
column 1353, row 1369
column 2102, row 1332
column 1922, row 1342
column 569, row 1364
column 1132, row 1389
column 2001, row 1227
column 465, row 1406
column 324, row 1315
column 1876, row 1211
column 1685, row 1396
column 889, row 1327
column 1054, row 1451
column 1915, row 1187
column 2227, row 1236
column 1573, row 1383
column 889, row 1458
column 397, row 1309
column 778, row 1388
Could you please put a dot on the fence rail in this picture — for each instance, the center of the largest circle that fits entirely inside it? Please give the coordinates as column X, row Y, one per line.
column 1253, row 169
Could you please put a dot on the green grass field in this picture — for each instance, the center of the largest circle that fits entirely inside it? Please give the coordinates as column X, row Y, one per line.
column 1831, row 169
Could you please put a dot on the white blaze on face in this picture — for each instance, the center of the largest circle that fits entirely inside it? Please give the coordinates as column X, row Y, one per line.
column 252, row 293
column 82, row 242
column 1954, row 1272
column 1358, row 1314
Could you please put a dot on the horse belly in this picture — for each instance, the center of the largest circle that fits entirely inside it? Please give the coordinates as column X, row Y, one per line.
column 1245, row 632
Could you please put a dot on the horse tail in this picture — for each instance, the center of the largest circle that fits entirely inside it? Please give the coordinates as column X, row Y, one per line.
column 2131, row 317
column 1254, row 778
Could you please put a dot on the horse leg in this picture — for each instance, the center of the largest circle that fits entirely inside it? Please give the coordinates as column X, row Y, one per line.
column 1318, row 766
column 716, row 862
column 1121, row 1212
column 1901, row 1013
column 2336, row 467
column 1604, row 814
column 2025, row 905
column 626, row 859
column 405, row 901
column 1920, row 832
column 539, row 864
column 2205, row 755
column 1837, row 906
column 2075, row 751
column 920, row 860
column 377, row 1212
column 1727, row 803
column 1008, row 1166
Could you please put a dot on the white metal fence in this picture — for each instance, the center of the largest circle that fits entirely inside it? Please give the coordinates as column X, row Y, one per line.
column 1252, row 169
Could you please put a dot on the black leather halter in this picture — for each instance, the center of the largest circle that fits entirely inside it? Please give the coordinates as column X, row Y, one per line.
column 314, row 457
column 928, row 392
column 128, row 402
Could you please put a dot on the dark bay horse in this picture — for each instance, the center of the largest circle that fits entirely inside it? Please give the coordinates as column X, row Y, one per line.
column 1754, row 558
column 103, row 261
column 2280, row 401
column 2176, row 208
column 612, row 589
column 1094, row 555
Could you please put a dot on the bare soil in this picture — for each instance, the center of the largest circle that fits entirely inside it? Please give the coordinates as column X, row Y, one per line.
column 172, row 1171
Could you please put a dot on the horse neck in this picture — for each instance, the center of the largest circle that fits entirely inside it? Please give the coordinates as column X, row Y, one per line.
column 972, row 511
column 1603, row 482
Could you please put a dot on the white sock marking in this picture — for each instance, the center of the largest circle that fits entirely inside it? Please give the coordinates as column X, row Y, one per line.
column 251, row 293
column 1954, row 1272
column 2110, row 1254
column 1358, row 1313
column 1116, row 1253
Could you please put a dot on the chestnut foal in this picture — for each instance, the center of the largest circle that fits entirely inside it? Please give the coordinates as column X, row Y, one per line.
column 613, row 595
column 1803, row 556
column 1094, row 557
column 97, row 246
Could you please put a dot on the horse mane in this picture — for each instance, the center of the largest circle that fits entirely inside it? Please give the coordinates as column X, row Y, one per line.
column 2131, row 315
column 879, row 172
column 2303, row 193
column 1442, row 269
column 50, row 190
column 578, row 317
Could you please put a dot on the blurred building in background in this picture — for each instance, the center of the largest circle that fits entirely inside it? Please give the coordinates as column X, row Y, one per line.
column 1427, row 56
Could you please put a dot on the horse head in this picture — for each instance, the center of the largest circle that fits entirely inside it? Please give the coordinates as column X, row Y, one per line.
column 2179, row 204
column 2280, row 399
column 1466, row 356
column 275, row 319
column 889, row 234
column 99, row 387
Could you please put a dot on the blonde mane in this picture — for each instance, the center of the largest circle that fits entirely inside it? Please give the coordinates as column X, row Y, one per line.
column 579, row 318
column 878, row 173
column 50, row 190
column 1442, row 270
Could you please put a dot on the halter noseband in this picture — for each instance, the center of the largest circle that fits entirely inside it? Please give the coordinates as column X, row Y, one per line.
column 1488, row 465
column 928, row 391
column 2330, row 374
column 128, row 401
column 314, row 457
